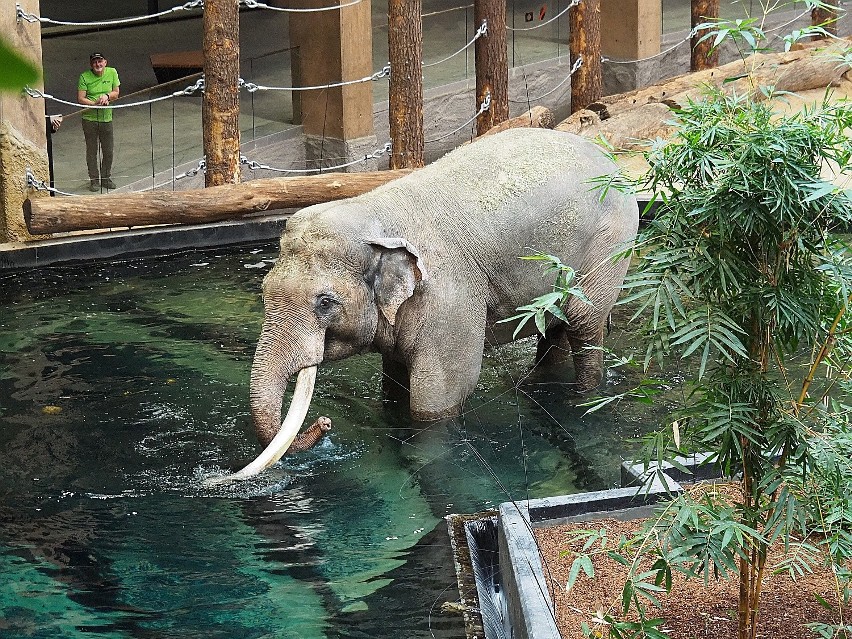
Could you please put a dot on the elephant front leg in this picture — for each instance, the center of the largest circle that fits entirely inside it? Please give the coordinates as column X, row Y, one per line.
column 437, row 394
column 443, row 377
column 395, row 383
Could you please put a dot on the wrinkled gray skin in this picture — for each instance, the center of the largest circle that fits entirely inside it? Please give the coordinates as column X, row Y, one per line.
column 421, row 270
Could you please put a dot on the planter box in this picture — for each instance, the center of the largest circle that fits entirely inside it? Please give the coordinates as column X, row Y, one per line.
column 510, row 599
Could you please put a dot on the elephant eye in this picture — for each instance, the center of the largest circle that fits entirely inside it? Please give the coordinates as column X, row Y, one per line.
column 326, row 303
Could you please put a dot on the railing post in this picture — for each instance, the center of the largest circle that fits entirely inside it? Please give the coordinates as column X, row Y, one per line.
column 492, row 64
column 220, row 104
column 405, row 97
column 700, row 57
column 585, row 42
column 826, row 18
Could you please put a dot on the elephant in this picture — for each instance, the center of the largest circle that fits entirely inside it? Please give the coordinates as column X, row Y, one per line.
column 423, row 269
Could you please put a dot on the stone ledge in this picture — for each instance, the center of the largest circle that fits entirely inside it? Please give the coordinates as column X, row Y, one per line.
column 136, row 242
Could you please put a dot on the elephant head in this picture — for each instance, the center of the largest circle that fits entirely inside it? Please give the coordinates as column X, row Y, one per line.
column 328, row 297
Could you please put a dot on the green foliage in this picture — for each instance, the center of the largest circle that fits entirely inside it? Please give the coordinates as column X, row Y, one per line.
column 549, row 303
column 741, row 272
column 17, row 71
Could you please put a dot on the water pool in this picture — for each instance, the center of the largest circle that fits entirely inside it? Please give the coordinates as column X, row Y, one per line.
column 124, row 385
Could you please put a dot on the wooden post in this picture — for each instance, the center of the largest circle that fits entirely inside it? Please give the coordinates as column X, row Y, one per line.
column 700, row 56
column 492, row 65
column 405, row 101
column 220, row 104
column 585, row 42
column 826, row 18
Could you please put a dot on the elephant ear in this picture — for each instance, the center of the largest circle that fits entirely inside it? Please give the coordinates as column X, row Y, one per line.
column 398, row 270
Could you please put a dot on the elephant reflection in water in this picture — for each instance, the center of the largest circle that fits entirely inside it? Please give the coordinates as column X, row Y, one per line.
column 423, row 269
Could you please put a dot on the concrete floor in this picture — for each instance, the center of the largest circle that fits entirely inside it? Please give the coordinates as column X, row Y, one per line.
column 157, row 141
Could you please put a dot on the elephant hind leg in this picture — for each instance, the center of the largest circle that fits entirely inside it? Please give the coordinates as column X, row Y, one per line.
column 588, row 361
column 561, row 343
column 554, row 348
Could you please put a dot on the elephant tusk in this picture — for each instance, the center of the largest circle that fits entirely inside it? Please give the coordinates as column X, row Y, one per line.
column 302, row 394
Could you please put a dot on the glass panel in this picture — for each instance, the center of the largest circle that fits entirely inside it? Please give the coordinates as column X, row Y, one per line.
column 534, row 34
column 267, row 111
column 447, row 32
column 676, row 13
column 149, row 138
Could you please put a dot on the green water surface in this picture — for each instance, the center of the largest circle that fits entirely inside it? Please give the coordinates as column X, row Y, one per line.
column 123, row 385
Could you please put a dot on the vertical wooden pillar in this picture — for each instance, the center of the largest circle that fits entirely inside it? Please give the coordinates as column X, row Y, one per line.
column 492, row 65
column 700, row 56
column 23, row 138
column 405, row 100
column 334, row 47
column 220, row 104
column 630, row 29
column 827, row 18
column 585, row 41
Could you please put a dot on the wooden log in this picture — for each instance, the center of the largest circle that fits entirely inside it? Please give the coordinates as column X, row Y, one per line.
column 220, row 104
column 405, row 97
column 628, row 120
column 630, row 131
column 196, row 206
column 492, row 64
column 702, row 56
column 538, row 117
column 808, row 67
column 579, row 122
column 584, row 25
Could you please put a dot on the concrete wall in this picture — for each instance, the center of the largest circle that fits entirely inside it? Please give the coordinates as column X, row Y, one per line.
column 23, row 141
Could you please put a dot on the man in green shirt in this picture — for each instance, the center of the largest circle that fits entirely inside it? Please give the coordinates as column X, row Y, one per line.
column 98, row 87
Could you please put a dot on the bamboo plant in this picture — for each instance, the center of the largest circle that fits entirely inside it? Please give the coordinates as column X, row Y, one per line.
column 743, row 270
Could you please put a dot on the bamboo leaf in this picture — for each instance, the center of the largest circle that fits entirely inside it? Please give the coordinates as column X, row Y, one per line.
column 17, row 71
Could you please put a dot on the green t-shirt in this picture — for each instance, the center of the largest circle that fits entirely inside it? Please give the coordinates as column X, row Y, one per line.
column 96, row 86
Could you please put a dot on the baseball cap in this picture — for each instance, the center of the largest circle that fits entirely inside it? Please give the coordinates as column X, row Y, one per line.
column 95, row 56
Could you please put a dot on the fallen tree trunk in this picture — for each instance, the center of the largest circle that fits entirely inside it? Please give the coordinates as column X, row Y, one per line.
column 217, row 203
column 628, row 120
column 810, row 66
column 196, row 206
column 538, row 117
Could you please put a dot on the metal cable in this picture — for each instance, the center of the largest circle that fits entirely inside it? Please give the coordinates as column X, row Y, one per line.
column 253, row 4
column 201, row 167
column 251, row 87
column 481, row 31
column 486, row 104
column 573, row 4
column 257, row 166
column 199, row 85
column 30, row 17
column 40, row 185
column 187, row 6
column 577, row 64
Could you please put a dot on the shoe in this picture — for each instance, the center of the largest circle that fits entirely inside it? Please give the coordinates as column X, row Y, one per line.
column 94, row 185
column 108, row 184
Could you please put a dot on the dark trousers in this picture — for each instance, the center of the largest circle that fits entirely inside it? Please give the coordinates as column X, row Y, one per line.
column 98, row 134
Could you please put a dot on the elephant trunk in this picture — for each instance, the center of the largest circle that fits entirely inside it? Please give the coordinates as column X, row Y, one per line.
column 279, row 444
